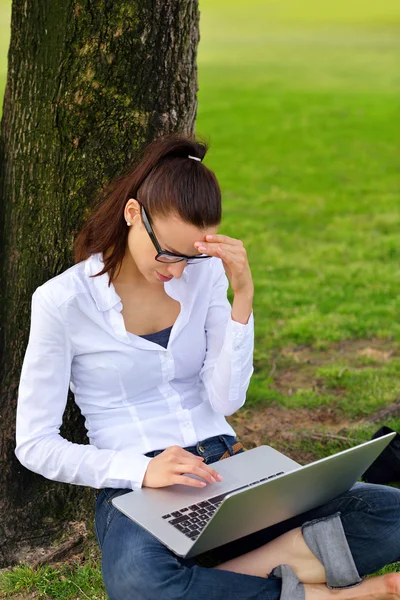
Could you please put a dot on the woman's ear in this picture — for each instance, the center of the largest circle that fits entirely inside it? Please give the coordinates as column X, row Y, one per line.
column 132, row 209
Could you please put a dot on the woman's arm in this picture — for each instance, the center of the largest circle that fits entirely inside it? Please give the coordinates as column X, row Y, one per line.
column 42, row 398
column 228, row 364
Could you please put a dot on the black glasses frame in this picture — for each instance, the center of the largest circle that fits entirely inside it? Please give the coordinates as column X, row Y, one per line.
column 160, row 251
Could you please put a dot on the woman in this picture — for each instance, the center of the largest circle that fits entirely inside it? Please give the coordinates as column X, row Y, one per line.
column 142, row 331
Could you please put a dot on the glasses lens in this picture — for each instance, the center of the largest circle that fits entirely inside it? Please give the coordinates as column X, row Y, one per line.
column 169, row 258
column 198, row 259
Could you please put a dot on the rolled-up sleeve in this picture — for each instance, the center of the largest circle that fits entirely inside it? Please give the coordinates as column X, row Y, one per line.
column 42, row 398
column 228, row 364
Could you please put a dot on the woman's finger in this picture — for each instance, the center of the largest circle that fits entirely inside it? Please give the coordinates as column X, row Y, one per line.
column 231, row 258
column 211, row 248
column 208, row 473
column 194, row 470
column 182, row 479
column 224, row 239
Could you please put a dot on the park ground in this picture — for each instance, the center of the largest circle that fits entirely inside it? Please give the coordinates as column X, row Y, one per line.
column 299, row 101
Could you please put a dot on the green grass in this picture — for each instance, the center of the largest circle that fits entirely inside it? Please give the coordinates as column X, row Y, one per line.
column 300, row 101
column 81, row 583
column 63, row 583
column 302, row 115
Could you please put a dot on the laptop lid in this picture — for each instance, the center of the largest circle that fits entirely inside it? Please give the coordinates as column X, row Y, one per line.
column 253, row 508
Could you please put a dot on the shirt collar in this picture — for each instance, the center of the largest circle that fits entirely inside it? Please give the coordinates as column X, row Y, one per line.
column 104, row 295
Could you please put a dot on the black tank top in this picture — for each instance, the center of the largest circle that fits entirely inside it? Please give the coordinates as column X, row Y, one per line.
column 159, row 337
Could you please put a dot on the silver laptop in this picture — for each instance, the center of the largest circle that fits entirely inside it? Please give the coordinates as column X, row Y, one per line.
column 261, row 487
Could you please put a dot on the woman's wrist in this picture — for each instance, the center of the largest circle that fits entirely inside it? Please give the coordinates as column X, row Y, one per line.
column 242, row 306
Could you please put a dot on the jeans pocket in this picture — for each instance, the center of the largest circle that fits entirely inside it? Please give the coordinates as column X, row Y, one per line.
column 112, row 511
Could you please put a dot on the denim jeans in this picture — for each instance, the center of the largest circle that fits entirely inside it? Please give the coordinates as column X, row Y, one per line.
column 136, row 566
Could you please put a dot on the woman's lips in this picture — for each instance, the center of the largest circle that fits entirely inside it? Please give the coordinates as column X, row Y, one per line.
column 162, row 278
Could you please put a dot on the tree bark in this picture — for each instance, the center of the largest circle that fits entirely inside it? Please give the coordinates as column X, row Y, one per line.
column 88, row 82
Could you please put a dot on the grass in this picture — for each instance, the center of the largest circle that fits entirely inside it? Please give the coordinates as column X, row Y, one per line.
column 64, row 583
column 300, row 110
column 355, row 392
column 300, row 104
column 83, row 582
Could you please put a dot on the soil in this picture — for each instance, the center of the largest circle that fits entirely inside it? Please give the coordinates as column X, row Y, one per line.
column 301, row 362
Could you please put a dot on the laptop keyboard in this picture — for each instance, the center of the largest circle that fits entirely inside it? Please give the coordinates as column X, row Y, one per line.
column 192, row 519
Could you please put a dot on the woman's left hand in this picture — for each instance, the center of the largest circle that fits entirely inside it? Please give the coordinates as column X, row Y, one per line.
column 234, row 257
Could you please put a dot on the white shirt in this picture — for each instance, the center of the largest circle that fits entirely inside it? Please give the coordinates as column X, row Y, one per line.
column 135, row 395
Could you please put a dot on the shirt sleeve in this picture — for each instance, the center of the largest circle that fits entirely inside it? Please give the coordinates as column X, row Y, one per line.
column 228, row 363
column 42, row 398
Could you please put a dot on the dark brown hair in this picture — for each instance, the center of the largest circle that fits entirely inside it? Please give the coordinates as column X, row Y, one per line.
column 165, row 181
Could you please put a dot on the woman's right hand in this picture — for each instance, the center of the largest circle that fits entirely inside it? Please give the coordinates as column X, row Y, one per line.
column 167, row 468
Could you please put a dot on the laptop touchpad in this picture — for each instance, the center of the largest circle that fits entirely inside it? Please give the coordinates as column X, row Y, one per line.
column 228, row 477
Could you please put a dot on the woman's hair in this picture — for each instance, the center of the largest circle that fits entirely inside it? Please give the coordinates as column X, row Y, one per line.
column 165, row 181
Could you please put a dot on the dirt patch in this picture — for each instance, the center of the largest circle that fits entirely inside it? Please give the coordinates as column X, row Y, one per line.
column 295, row 368
column 274, row 424
column 30, row 596
column 378, row 349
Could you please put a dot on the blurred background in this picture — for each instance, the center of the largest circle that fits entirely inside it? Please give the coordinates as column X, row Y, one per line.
column 300, row 101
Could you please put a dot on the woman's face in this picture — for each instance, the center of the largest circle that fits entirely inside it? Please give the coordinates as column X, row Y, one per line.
column 173, row 235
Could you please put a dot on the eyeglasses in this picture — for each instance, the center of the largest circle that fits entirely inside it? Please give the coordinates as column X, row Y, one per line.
column 162, row 255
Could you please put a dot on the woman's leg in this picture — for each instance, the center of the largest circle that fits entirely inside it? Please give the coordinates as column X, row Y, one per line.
column 370, row 520
column 370, row 516
column 289, row 548
column 191, row 577
column 136, row 566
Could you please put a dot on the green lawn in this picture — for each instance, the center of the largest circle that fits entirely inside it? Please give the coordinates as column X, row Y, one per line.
column 300, row 102
column 301, row 109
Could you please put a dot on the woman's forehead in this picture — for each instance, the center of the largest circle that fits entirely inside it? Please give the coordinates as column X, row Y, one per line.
column 178, row 235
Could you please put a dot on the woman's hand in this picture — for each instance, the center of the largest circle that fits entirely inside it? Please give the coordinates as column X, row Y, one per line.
column 168, row 467
column 234, row 258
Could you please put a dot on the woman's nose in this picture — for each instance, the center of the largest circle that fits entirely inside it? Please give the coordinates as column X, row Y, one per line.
column 176, row 269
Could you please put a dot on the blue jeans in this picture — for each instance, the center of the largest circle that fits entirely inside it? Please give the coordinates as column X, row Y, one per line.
column 136, row 566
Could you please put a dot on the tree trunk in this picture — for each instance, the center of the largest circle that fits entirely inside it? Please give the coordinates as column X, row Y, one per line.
column 88, row 82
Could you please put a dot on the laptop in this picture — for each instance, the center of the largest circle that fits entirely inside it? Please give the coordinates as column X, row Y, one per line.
column 261, row 487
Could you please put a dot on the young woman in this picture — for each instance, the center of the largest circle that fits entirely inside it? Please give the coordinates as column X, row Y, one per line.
column 141, row 330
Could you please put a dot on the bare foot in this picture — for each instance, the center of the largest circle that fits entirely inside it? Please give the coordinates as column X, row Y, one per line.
column 383, row 587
